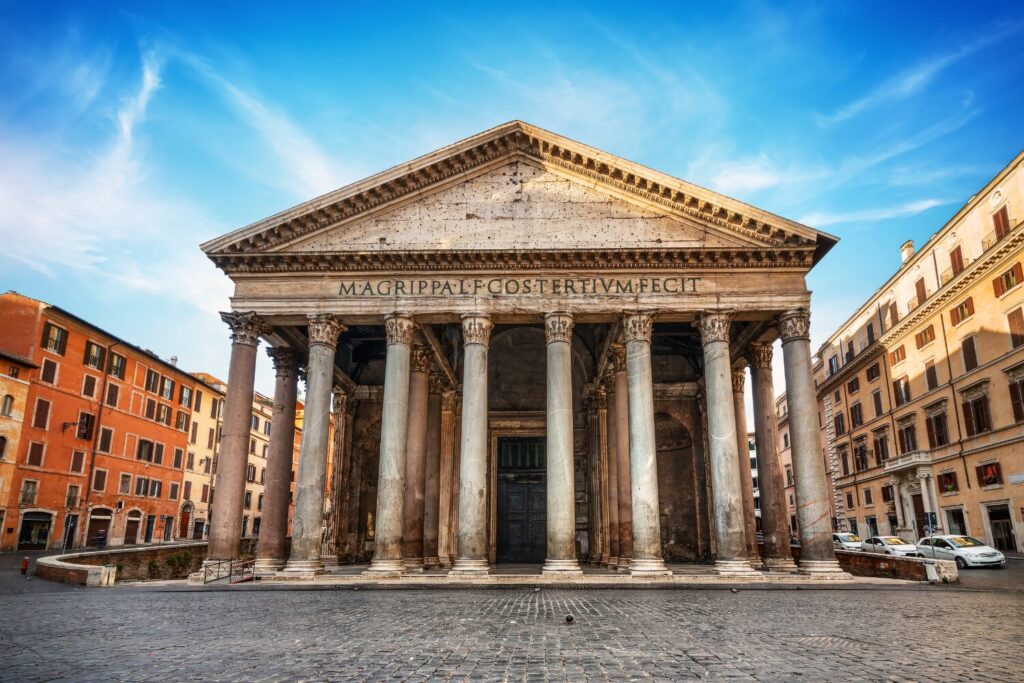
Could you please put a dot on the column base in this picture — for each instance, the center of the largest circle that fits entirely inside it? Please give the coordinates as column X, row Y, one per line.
column 612, row 562
column 413, row 564
column 755, row 561
column 623, row 566
column 430, row 562
column 733, row 568
column 558, row 568
column 265, row 566
column 778, row 565
column 466, row 568
column 304, row 567
column 385, row 569
column 823, row 569
column 331, row 562
column 648, row 568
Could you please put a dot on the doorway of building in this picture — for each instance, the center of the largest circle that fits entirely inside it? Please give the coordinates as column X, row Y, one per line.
column 131, row 527
column 150, row 528
column 97, row 534
column 955, row 521
column 185, row 520
column 1002, row 528
column 920, row 519
column 35, row 531
column 522, row 502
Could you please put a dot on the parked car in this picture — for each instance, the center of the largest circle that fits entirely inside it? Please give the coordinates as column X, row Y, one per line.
column 889, row 545
column 846, row 541
column 966, row 551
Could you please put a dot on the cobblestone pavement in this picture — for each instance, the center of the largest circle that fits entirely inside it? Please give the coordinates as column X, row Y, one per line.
column 133, row 633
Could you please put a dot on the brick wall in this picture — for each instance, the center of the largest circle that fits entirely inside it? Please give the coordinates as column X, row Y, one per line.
column 889, row 567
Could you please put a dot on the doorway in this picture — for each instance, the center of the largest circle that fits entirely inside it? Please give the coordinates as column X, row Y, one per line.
column 1002, row 528
column 131, row 527
column 150, row 527
column 35, row 531
column 522, row 501
column 97, row 534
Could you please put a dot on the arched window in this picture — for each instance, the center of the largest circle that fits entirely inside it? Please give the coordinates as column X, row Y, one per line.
column 3, row 446
column 8, row 404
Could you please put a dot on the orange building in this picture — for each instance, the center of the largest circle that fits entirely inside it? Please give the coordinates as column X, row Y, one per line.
column 103, row 443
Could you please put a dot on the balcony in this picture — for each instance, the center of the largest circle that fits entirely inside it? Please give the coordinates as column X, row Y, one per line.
column 908, row 461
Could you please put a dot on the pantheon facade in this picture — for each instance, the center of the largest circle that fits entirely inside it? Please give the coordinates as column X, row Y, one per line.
column 534, row 353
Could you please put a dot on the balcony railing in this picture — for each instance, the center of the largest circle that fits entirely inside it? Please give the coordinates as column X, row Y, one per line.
column 907, row 460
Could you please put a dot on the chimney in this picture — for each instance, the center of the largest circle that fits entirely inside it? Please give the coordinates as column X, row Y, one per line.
column 174, row 359
column 906, row 251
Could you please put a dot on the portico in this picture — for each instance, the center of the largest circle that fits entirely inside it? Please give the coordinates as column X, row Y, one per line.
column 532, row 337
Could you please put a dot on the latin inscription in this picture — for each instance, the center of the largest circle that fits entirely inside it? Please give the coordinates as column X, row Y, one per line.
column 518, row 286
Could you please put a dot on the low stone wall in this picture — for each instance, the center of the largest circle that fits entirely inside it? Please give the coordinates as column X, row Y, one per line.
column 105, row 567
column 890, row 567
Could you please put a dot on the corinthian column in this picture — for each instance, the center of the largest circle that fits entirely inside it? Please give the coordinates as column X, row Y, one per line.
column 270, row 555
column 603, row 476
column 416, row 460
column 746, row 476
column 394, row 425
column 307, row 523
column 432, row 475
column 643, row 457
column 226, row 513
column 613, row 468
column 725, row 475
column 817, row 553
column 622, row 446
column 472, row 536
column 561, row 499
column 771, row 481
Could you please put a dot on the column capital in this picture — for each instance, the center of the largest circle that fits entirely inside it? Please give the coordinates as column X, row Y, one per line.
column 602, row 398
column 617, row 358
column 714, row 326
column 246, row 328
column 739, row 377
column 795, row 324
column 760, row 355
column 558, row 327
column 340, row 401
column 449, row 400
column 419, row 361
column 399, row 328
column 638, row 326
column 436, row 383
column 324, row 330
column 285, row 358
column 476, row 328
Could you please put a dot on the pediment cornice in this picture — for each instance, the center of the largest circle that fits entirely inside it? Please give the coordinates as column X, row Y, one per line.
column 517, row 140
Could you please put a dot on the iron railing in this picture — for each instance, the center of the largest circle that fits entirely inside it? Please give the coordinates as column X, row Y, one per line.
column 235, row 571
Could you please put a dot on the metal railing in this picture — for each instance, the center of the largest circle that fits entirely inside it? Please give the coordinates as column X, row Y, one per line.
column 235, row 571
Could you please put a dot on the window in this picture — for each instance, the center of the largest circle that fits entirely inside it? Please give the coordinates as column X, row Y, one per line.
column 48, row 373
column 947, row 482
column 256, row 423
column 871, row 333
column 71, row 501
column 248, row 500
column 266, row 427
column 190, row 461
column 849, row 501
column 158, row 453
column 925, row 337
column 876, row 399
column 150, row 409
column 931, row 376
column 214, row 407
column 3, row 450
column 34, row 458
column 1001, row 222
column 867, row 497
column 8, row 406
column 106, row 439
column 849, row 350
column 1017, row 399
column 29, row 489
column 89, row 386
column 209, row 439
column 263, row 475
column 113, row 394
column 167, row 388
column 125, row 486
column 860, row 457
column 86, row 422
column 172, row 490
column 1008, row 280
column 99, row 480
column 94, row 356
column 989, row 474
column 77, row 461
column 259, row 502
column 1015, row 320
column 894, row 314
column 887, row 493
column 844, row 459
column 977, row 418
column 856, row 416
column 250, row 473
column 252, row 446
column 265, row 448
column 901, row 389
column 154, row 488
column 145, row 450
column 199, row 401
column 969, row 353
column 181, row 421
column 897, row 355
column 163, row 414
column 956, row 260
column 836, row 396
column 185, row 396
column 881, row 446
column 962, row 312
column 785, row 440
column 186, row 492
column 833, row 364
column 920, row 291
column 55, row 339
column 789, row 475
column 907, row 434
column 853, row 386
column 141, row 486
column 152, row 381
column 116, row 365
column 840, row 424
column 938, row 431
column 195, row 433
column 41, row 417
column 205, row 494
column 178, row 456
column 874, row 372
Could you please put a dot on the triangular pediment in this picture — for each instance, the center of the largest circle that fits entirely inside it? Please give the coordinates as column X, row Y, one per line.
column 517, row 187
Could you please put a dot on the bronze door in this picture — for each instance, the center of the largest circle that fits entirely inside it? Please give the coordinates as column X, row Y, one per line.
column 522, row 501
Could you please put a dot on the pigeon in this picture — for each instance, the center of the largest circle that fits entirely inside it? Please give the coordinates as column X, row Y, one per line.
column 734, row 590
column 569, row 619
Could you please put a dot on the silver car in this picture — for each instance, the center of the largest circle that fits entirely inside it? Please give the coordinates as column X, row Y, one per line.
column 846, row 541
column 965, row 550
column 890, row 545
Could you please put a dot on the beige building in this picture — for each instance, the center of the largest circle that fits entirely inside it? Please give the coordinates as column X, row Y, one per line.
column 921, row 391
column 14, row 389
column 204, row 440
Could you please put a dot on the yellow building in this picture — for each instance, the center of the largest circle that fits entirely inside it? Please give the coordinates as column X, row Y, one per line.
column 204, row 439
column 921, row 391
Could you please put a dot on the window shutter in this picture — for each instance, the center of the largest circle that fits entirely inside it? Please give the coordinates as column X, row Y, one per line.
column 970, row 306
column 956, row 259
column 1016, row 320
column 893, row 314
column 954, row 316
column 1016, row 400
column 1001, row 219
column 978, row 474
column 1018, row 272
column 930, row 425
column 920, row 291
column 968, row 418
column 998, row 286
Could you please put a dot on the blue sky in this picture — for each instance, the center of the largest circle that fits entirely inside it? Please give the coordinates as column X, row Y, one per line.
column 129, row 134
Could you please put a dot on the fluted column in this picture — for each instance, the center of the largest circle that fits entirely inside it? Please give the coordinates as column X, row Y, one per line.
column 473, row 484
column 771, row 480
column 561, row 500
column 308, row 520
column 613, row 469
column 746, row 476
column 416, row 460
column 226, row 512
column 270, row 551
column 646, row 559
column 622, row 446
column 817, row 552
column 448, row 496
column 394, row 426
column 432, row 475
column 602, row 459
column 721, row 414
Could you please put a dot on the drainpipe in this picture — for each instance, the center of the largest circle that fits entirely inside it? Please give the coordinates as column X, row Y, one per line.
column 96, row 441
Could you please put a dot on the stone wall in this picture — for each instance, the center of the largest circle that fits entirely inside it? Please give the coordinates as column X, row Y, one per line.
column 889, row 567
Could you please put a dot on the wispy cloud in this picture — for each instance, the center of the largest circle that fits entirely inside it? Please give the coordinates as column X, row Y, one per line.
column 912, row 81
column 822, row 219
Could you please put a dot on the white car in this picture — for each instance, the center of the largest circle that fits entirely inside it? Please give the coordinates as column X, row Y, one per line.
column 890, row 545
column 846, row 541
column 966, row 551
